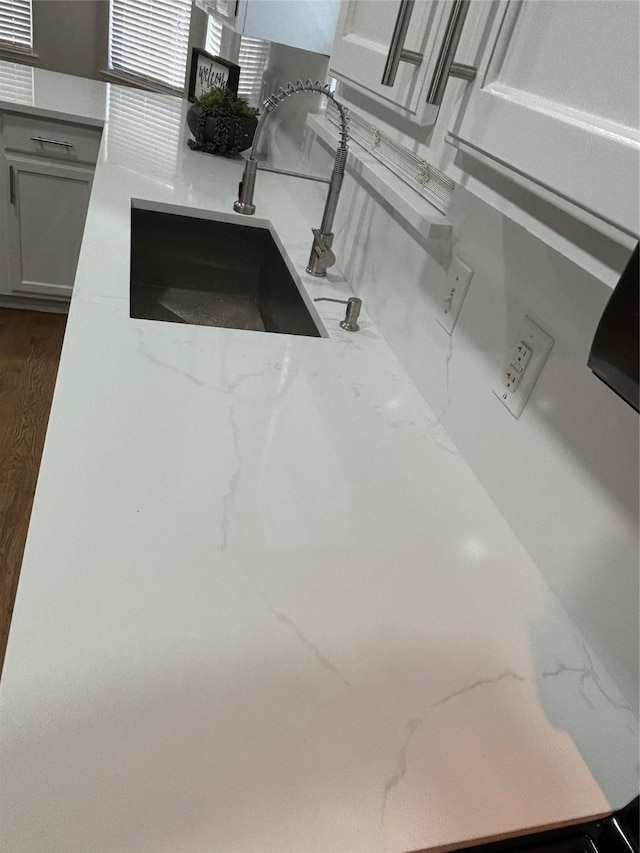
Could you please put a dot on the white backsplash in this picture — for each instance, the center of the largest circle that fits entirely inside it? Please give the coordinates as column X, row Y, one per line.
column 565, row 474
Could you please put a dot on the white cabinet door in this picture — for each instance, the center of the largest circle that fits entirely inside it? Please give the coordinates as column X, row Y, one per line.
column 363, row 43
column 47, row 208
column 559, row 103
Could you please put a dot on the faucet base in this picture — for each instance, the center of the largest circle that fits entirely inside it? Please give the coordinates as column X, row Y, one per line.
column 243, row 207
column 320, row 272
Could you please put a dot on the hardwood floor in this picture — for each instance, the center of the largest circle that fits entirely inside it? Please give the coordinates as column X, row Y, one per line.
column 30, row 344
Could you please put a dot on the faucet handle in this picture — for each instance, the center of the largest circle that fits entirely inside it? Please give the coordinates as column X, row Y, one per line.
column 322, row 250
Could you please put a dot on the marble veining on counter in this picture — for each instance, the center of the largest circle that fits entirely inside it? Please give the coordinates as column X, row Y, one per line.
column 265, row 603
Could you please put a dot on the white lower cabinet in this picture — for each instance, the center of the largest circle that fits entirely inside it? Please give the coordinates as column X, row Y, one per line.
column 45, row 220
column 46, row 173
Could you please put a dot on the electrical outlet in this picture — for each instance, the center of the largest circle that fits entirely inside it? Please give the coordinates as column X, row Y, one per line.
column 457, row 285
column 515, row 371
column 528, row 355
column 512, row 379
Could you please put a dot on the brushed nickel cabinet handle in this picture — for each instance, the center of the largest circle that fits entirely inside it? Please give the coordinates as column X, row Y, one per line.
column 445, row 66
column 397, row 53
column 51, row 141
column 12, row 186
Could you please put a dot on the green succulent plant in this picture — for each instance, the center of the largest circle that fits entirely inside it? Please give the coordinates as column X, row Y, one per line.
column 228, row 110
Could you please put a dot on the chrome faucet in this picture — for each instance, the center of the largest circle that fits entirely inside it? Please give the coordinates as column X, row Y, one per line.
column 321, row 257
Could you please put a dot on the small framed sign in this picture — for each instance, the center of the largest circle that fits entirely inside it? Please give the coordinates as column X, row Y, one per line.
column 208, row 71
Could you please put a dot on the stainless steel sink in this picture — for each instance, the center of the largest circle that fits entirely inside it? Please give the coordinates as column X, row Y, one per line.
column 186, row 268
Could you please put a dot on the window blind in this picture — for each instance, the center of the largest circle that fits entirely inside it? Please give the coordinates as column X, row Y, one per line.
column 214, row 37
column 252, row 55
column 252, row 59
column 15, row 25
column 149, row 39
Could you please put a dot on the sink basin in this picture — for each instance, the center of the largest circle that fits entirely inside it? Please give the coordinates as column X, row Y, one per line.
column 213, row 270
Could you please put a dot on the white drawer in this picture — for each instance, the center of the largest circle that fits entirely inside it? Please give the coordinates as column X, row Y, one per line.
column 51, row 139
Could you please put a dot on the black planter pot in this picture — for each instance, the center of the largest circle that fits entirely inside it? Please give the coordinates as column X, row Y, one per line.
column 248, row 128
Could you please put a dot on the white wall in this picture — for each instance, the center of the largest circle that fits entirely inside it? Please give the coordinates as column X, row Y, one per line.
column 566, row 474
column 72, row 36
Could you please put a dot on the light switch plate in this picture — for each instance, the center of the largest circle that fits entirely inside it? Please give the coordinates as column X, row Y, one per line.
column 540, row 345
column 457, row 285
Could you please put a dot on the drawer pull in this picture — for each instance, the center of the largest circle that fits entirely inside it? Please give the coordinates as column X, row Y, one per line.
column 397, row 53
column 51, row 141
column 12, row 186
column 445, row 66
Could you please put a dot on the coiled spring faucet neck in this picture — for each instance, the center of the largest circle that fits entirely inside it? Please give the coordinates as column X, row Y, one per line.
column 321, row 255
column 276, row 98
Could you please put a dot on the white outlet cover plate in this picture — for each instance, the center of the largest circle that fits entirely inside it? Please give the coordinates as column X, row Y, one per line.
column 457, row 285
column 540, row 345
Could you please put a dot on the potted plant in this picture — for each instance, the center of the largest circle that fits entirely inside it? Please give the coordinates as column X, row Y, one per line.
column 221, row 123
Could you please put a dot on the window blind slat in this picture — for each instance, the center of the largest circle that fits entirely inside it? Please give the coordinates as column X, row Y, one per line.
column 15, row 24
column 19, row 18
column 149, row 39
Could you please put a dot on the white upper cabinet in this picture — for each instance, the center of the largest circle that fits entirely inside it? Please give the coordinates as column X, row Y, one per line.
column 557, row 101
column 400, row 53
column 306, row 24
column 554, row 103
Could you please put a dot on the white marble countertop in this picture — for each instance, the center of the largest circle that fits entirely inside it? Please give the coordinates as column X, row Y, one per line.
column 265, row 604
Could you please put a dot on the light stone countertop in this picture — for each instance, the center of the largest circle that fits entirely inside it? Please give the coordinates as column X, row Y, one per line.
column 265, row 604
